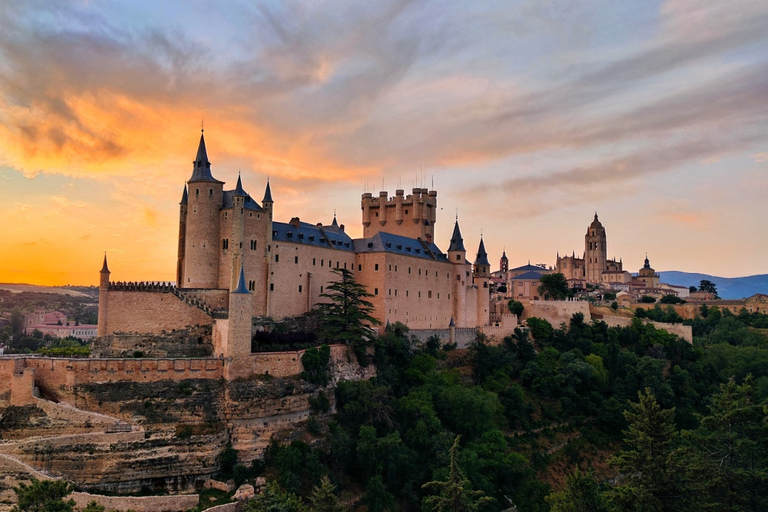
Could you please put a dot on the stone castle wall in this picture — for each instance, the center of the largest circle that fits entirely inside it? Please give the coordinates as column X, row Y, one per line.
column 684, row 331
column 150, row 312
column 137, row 503
column 556, row 312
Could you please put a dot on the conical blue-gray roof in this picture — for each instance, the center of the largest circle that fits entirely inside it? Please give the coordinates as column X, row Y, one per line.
column 239, row 192
column 482, row 256
column 241, row 288
column 201, row 170
column 184, row 196
column 457, row 243
column 104, row 267
column 267, row 195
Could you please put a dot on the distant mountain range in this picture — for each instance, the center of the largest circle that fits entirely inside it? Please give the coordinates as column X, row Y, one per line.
column 727, row 287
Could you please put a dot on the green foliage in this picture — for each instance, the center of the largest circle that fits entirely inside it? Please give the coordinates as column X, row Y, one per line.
column 554, row 287
column 324, row 499
column 541, row 330
column 227, row 460
column 274, row 499
column 43, row 496
column 94, row 507
column 315, row 364
column 581, row 494
column 614, row 305
column 515, row 307
column 671, row 298
column 647, row 299
column 377, row 498
column 346, row 317
column 16, row 321
column 455, row 493
column 705, row 285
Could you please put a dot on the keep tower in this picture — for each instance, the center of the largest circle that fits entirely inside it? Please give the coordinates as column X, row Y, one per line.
column 199, row 222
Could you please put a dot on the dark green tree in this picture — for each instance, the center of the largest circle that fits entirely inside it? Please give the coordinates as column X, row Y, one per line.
column 274, row 499
column 650, row 465
column 705, row 285
column 515, row 307
column 553, row 286
column 17, row 321
column 43, row 496
column 455, row 494
column 315, row 363
column 324, row 499
column 346, row 316
column 580, row 494
column 377, row 497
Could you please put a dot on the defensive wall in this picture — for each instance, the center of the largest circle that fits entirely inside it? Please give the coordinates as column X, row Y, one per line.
column 137, row 503
column 556, row 312
column 462, row 336
column 684, row 331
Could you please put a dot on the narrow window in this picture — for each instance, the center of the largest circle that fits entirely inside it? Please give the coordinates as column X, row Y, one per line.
column 299, row 288
column 376, row 266
column 271, row 287
column 277, row 258
column 295, row 259
column 419, row 293
column 375, row 291
column 321, row 289
column 197, row 191
column 313, row 261
column 210, row 192
column 359, row 267
column 406, row 293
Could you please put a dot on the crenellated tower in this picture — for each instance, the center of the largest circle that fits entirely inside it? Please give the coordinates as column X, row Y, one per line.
column 412, row 216
column 182, row 237
column 202, row 233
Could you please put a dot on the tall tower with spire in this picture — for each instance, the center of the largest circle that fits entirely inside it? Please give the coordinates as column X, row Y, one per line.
column 595, row 252
column 103, row 296
column 504, row 262
column 482, row 277
column 457, row 255
column 182, row 237
column 202, row 233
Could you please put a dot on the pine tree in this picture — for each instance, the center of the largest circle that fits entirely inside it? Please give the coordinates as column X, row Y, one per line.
column 650, row 464
column 454, row 494
column 346, row 317
column 323, row 497
column 581, row 494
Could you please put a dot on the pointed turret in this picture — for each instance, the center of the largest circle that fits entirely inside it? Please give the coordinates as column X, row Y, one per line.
column 201, row 167
column 184, row 196
column 239, row 192
column 105, row 268
column 334, row 223
column 267, row 195
column 482, row 256
column 241, row 287
column 457, row 242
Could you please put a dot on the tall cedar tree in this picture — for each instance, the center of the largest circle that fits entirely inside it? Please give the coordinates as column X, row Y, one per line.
column 733, row 452
column 346, row 317
column 653, row 473
column 454, row 494
column 43, row 496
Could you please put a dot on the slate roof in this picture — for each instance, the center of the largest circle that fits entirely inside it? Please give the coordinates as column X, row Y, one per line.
column 201, row 170
column 482, row 256
column 529, row 275
column 529, row 268
column 309, row 234
column 396, row 244
column 249, row 204
column 457, row 242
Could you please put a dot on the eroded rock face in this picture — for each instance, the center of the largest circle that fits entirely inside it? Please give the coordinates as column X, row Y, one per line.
column 190, row 342
column 164, row 436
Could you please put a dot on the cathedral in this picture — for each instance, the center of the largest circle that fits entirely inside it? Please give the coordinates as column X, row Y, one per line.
column 235, row 262
column 594, row 267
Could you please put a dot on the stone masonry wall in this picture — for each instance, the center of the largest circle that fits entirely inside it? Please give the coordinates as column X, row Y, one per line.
column 150, row 312
column 684, row 331
column 556, row 312
column 137, row 503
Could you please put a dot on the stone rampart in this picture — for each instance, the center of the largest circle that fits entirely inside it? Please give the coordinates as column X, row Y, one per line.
column 190, row 342
column 556, row 312
column 684, row 331
column 500, row 330
column 227, row 507
column 138, row 503
column 152, row 311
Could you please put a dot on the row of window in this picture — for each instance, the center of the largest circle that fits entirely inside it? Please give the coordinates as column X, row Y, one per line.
column 407, row 293
column 225, row 244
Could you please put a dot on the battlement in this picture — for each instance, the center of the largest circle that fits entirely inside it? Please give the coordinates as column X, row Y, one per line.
column 411, row 215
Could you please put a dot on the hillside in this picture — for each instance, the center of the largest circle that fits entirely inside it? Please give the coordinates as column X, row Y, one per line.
column 727, row 287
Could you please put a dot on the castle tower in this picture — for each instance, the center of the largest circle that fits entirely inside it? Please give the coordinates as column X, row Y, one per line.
column 202, row 239
column 412, row 216
column 182, row 237
column 103, row 294
column 237, row 349
column 457, row 255
column 237, row 234
column 504, row 262
column 648, row 275
column 482, row 277
column 595, row 251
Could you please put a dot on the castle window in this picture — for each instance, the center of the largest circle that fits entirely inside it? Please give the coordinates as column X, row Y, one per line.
column 419, row 271
column 406, row 293
column 449, row 296
column 322, row 240
column 322, row 263
column 251, row 285
column 301, row 237
column 409, row 270
column 406, row 212
column 370, row 245
column 225, row 244
column 274, row 234
column 458, row 257
column 226, row 214
column 271, row 287
column 377, row 214
column 395, row 268
column 395, row 292
column 299, row 288
column 485, row 285
column 375, row 291
column 458, row 277
column 447, row 275
column 277, row 258
column 419, row 294
column 390, row 267
column 345, row 266
column 295, row 259
column 313, row 261
column 210, row 192
column 389, row 291
column 289, row 235
column 311, row 238
column 250, row 214
column 376, row 266
column 429, row 294
column 321, row 289
column 359, row 267
column 337, row 264
column 253, row 245
column 197, row 191
column 438, row 295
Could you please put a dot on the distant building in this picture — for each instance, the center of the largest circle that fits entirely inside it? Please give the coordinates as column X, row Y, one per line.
column 55, row 324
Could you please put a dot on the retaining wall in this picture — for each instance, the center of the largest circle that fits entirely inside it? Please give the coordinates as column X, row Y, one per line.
column 138, row 503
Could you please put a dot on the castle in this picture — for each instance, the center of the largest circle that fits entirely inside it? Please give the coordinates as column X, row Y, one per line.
column 235, row 263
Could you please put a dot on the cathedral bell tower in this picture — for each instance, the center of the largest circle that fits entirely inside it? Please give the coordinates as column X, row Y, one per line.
column 595, row 252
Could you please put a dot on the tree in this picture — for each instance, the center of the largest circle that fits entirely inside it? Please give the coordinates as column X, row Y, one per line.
column 17, row 321
column 708, row 286
column 315, row 363
column 324, row 499
column 581, row 494
column 455, row 494
column 94, row 507
column 553, row 287
column 43, row 496
column 650, row 465
column 515, row 307
column 347, row 316
column 671, row 298
column 274, row 499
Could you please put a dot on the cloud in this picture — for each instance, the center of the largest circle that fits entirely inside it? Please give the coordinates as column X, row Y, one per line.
column 66, row 203
column 760, row 157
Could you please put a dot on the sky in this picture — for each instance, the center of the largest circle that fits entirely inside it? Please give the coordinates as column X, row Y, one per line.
column 527, row 117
